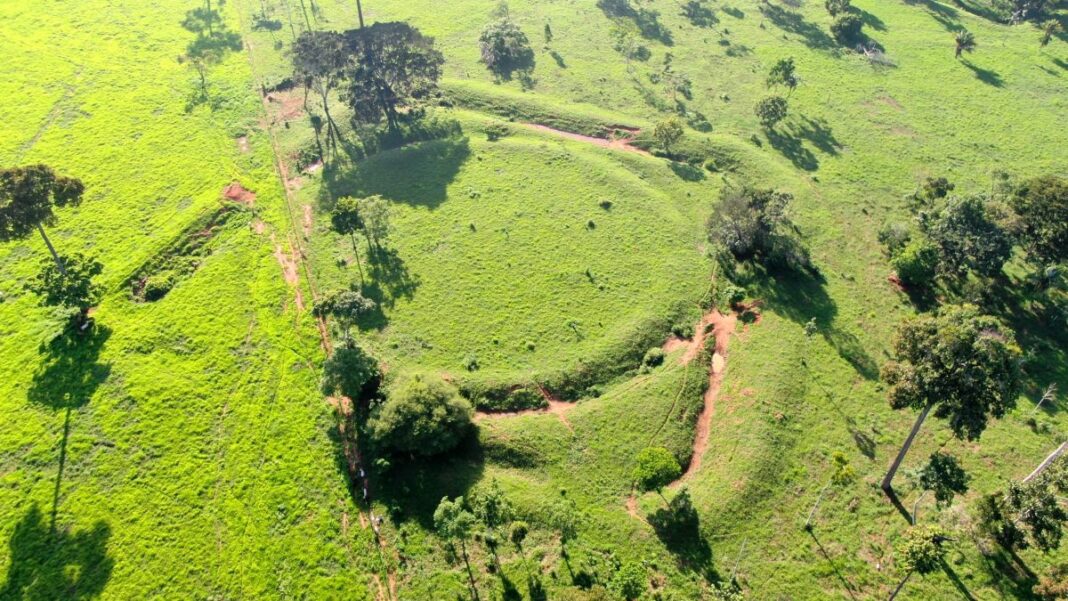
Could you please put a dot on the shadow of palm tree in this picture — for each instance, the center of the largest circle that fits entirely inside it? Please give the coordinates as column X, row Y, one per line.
column 792, row 148
column 812, row 35
column 45, row 564
column 987, row 76
column 70, row 373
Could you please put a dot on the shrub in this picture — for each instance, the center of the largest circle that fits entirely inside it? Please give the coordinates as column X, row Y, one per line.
column 837, row 7
column 653, row 357
column 771, row 110
column 470, row 362
column 917, row 263
column 496, row 131
column 847, row 29
column 422, row 416
column 731, row 295
column 158, row 285
column 682, row 329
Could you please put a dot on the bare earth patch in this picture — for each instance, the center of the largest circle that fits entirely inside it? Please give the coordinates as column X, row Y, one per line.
column 723, row 327
column 237, row 193
column 621, row 143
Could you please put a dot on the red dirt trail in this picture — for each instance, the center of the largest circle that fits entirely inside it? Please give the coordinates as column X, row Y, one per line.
column 622, row 143
column 722, row 328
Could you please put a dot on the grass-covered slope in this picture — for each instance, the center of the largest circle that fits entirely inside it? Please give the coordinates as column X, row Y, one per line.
column 180, row 449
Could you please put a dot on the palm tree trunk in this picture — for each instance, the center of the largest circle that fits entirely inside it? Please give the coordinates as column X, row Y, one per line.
column 55, row 256
column 900, row 586
column 356, row 249
column 470, row 575
column 887, row 484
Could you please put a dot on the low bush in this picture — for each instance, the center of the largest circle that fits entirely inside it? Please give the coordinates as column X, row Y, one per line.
column 654, row 357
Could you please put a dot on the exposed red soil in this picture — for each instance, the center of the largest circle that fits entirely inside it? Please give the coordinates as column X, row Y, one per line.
column 291, row 273
column 237, row 193
column 285, row 106
column 622, row 143
column 723, row 327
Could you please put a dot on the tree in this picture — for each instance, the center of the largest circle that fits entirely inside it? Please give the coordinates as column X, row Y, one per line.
column 656, row 468
column 319, row 59
column 1024, row 10
column 783, row 73
column 917, row 263
column 505, row 48
column 393, row 66
column 1054, row 586
column 968, row 237
column 421, row 416
column 491, row 506
column 921, row 552
column 1041, row 205
column 563, row 517
column 837, row 7
column 376, row 213
column 930, row 192
column 965, row 42
column 346, row 220
column 771, row 111
column 72, row 287
column 1029, row 513
column 842, row 474
column 346, row 306
column 348, row 370
column 960, row 363
column 944, row 476
column 668, row 132
column 630, row 581
column 455, row 523
column 847, row 29
column 517, row 533
column 28, row 197
column 1050, row 29
column 754, row 223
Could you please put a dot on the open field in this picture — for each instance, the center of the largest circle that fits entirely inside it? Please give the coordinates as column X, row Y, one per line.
column 182, row 448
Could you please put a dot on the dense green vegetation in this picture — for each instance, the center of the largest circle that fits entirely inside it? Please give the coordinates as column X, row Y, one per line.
column 472, row 227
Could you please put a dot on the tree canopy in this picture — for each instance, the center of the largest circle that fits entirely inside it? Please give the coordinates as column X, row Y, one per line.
column 1041, row 206
column 71, row 288
column 968, row 237
column 421, row 416
column 505, row 48
column 348, row 370
column 668, row 132
column 771, row 111
column 922, row 550
column 392, row 67
column 28, row 197
column 783, row 73
column 964, row 363
column 753, row 223
column 655, row 468
column 944, row 476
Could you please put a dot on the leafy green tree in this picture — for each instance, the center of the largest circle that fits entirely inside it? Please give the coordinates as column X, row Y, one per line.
column 493, row 509
column 505, row 48
column 931, row 191
column 630, row 581
column 964, row 41
column 455, row 523
column 944, row 476
column 771, row 111
column 668, row 132
column 72, row 287
column 995, row 520
column 960, row 363
column 1029, row 513
column 837, row 7
column 1041, row 206
column 847, row 29
column 753, row 223
column 345, row 306
column 968, row 237
column 376, row 214
column 346, row 220
column 655, row 468
column 564, row 519
column 319, row 59
column 393, row 66
column 348, row 370
column 517, row 533
column 28, row 199
column 842, row 474
column 917, row 263
column 922, row 552
column 421, row 416
column 783, row 73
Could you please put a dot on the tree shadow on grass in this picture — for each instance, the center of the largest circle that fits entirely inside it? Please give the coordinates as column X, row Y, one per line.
column 646, row 20
column 413, row 487
column 1009, row 575
column 46, row 564
column 811, row 34
column 946, row 15
column 987, row 76
column 679, row 528
column 70, row 373
column 848, row 586
column 800, row 297
column 687, row 172
column 870, row 20
column 957, row 582
column 818, row 132
column 792, row 147
column 418, row 174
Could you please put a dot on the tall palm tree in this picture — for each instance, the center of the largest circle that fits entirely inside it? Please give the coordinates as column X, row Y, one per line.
column 965, row 41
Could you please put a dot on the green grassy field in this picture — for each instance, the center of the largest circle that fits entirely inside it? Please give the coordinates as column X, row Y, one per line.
column 183, row 450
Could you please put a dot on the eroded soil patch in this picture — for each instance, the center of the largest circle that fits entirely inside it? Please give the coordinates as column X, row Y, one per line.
column 239, row 194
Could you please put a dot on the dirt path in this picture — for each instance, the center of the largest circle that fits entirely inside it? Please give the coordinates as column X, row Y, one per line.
column 723, row 327
column 556, row 407
column 621, row 143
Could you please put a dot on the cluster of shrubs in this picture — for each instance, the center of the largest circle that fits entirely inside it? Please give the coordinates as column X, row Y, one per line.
column 157, row 278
